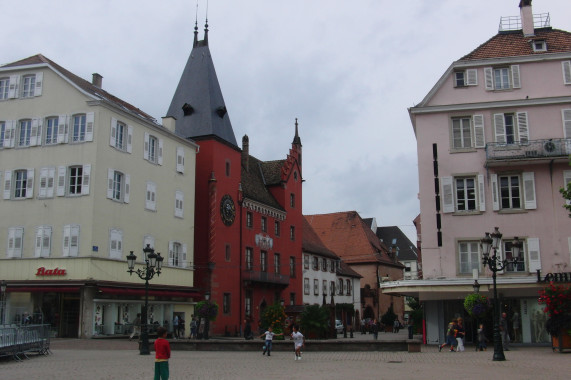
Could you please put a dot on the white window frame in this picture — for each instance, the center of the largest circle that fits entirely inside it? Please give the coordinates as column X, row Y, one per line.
column 449, row 193
column 180, row 159
column 28, row 86
column 151, row 196
column 468, row 256
column 469, row 77
column 511, row 75
column 15, row 242
column 315, row 287
column 13, row 90
column 348, row 287
column 539, row 45
column 65, row 183
column 70, row 243
column 177, row 254
column 179, row 204
column 527, row 192
column 118, row 185
column 306, row 286
column 121, row 136
column 13, row 184
column 522, row 264
column 3, row 131
column 46, row 188
column 43, row 241
column 566, row 67
column 520, row 128
column 25, row 133
column 153, row 149
column 115, row 243
column 324, row 287
column 51, row 130
column 4, row 87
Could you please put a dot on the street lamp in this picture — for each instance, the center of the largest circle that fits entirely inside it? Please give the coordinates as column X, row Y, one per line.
column 476, row 286
column 153, row 265
column 493, row 242
column 3, row 286
column 207, row 321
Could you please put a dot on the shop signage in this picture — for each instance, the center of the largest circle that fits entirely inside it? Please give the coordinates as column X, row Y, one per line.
column 50, row 272
column 554, row 277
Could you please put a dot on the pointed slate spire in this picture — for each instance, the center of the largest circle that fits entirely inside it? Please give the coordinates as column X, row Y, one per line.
column 296, row 139
column 195, row 34
column 197, row 104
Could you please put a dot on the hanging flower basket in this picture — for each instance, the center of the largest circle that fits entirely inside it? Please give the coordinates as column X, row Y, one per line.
column 477, row 305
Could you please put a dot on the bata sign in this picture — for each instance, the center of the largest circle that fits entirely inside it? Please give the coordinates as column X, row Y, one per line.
column 50, row 272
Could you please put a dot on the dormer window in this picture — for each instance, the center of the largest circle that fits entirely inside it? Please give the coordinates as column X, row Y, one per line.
column 466, row 78
column 539, row 45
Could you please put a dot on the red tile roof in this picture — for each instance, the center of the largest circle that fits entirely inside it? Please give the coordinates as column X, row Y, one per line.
column 515, row 44
column 312, row 243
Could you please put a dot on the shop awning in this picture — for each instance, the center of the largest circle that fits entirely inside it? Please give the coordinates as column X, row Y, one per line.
column 152, row 292
column 45, row 289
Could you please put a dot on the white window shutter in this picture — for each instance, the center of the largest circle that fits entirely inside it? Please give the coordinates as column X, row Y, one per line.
column 171, row 253
column 61, row 171
column 146, row 147
column 523, row 128
column 516, row 79
column 62, row 129
column 10, row 134
column 89, row 120
column 43, row 187
column 495, row 199
column 160, row 156
column 534, row 254
column 489, row 77
column 481, row 193
column 51, row 183
column 566, row 116
column 184, row 248
column 113, row 133
column 179, row 204
column 529, row 190
column 447, row 194
column 86, row 179
column 14, row 86
column 74, row 241
column 180, row 159
column 7, row 184
column 471, row 77
column 479, row 138
column 566, row 180
column 35, row 135
column 566, row 65
column 110, row 173
column 39, row 238
column 129, row 138
column 66, row 240
column 150, row 198
column 30, row 184
column 39, row 84
column 500, row 128
column 15, row 236
column 127, row 188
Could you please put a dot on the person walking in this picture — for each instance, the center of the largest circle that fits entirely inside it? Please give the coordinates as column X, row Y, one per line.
column 450, row 336
column 175, row 323
column 136, row 327
column 375, row 329
column 504, row 331
column 460, row 334
column 193, row 327
column 269, row 334
column 298, row 341
column 515, row 326
column 482, row 338
column 162, row 355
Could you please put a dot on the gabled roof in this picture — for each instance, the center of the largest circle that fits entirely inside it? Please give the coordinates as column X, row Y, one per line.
column 313, row 244
column 199, row 96
column 345, row 270
column 81, row 83
column 348, row 236
column 406, row 251
column 254, row 184
column 515, row 44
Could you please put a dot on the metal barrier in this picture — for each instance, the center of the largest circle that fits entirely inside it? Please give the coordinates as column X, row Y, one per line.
column 19, row 341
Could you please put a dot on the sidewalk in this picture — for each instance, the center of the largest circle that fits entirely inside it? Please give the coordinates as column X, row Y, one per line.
column 117, row 359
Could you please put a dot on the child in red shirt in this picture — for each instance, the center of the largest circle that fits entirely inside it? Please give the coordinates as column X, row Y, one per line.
column 162, row 355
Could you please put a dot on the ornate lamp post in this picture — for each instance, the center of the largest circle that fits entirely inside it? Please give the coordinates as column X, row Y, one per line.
column 476, row 287
column 153, row 265
column 3, row 286
column 493, row 242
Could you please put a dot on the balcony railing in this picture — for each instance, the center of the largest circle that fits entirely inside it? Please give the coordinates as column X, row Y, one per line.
column 508, row 23
column 529, row 150
column 265, row 277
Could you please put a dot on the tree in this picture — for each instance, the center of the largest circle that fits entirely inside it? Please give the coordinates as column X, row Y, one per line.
column 315, row 320
column 566, row 192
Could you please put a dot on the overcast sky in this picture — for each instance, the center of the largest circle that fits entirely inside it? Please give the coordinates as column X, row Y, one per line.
column 348, row 70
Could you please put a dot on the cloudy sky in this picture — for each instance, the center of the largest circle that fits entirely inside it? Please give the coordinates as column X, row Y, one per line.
column 348, row 70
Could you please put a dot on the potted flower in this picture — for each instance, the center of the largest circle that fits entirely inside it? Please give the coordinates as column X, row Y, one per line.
column 557, row 301
column 477, row 305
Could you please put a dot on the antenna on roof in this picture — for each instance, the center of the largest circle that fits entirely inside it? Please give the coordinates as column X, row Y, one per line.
column 206, row 26
column 196, row 26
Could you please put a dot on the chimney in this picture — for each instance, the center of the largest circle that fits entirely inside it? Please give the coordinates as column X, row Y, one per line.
column 169, row 123
column 97, row 80
column 526, row 18
column 245, row 152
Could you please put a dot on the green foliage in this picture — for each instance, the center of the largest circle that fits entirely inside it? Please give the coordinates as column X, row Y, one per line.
column 417, row 313
column 566, row 192
column 389, row 317
column 477, row 305
column 315, row 319
column 275, row 317
column 206, row 309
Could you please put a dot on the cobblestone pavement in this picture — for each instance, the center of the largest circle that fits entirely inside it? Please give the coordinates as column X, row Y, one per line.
column 120, row 359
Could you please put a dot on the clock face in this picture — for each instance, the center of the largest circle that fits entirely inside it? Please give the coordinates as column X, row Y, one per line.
column 227, row 210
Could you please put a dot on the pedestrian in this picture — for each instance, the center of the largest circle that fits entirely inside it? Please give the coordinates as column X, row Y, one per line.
column 450, row 336
column 375, row 329
column 269, row 334
column 193, row 327
column 175, row 322
column 396, row 325
column 136, row 327
column 460, row 334
column 248, row 330
column 482, row 338
column 298, row 341
column 504, row 331
column 162, row 355
column 515, row 326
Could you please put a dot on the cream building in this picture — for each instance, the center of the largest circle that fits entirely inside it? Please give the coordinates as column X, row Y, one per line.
column 86, row 178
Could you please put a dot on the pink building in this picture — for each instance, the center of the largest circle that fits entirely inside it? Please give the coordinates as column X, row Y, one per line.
column 493, row 140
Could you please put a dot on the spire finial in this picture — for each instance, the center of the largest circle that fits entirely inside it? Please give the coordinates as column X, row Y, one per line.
column 196, row 26
column 296, row 139
column 206, row 26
